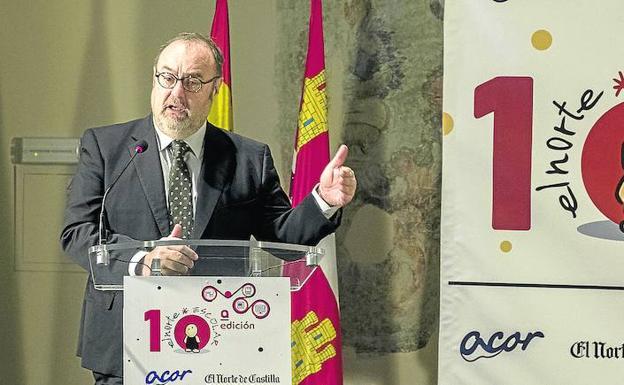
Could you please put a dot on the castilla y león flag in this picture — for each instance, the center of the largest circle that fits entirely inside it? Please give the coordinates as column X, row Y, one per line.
column 316, row 341
column 221, row 110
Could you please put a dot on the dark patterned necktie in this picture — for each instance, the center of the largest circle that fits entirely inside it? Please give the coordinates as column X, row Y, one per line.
column 180, row 190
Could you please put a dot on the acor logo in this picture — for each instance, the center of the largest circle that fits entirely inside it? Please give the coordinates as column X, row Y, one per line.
column 473, row 347
column 165, row 377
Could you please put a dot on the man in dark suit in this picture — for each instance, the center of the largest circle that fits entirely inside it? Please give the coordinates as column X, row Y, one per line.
column 227, row 183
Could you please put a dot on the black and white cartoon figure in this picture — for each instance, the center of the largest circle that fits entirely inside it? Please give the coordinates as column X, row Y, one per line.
column 192, row 339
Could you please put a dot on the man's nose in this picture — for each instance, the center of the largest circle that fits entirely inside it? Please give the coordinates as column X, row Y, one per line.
column 178, row 89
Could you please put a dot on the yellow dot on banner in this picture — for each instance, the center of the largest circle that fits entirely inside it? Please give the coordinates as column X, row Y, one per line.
column 505, row 246
column 541, row 39
column 447, row 123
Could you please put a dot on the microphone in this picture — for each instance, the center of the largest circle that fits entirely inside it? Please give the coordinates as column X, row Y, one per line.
column 102, row 256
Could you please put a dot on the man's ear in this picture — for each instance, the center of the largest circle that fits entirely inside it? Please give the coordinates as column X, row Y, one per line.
column 217, row 86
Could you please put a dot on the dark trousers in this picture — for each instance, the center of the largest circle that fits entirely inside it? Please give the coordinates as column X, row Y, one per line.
column 107, row 379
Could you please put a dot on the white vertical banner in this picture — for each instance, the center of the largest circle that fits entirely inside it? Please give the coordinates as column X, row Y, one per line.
column 532, row 259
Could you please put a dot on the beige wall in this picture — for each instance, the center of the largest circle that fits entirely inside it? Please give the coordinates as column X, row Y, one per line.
column 68, row 65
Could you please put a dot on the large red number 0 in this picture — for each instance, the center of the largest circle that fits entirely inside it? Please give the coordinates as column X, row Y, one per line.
column 511, row 101
column 153, row 317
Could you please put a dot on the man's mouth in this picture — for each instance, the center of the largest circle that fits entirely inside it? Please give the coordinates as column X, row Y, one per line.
column 176, row 109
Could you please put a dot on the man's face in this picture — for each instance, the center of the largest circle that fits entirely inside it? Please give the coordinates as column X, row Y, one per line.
column 180, row 113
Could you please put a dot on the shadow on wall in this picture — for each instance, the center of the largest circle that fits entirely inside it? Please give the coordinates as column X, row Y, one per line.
column 389, row 241
column 11, row 366
column 94, row 104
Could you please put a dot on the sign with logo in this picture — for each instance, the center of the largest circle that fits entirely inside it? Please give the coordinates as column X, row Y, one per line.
column 532, row 252
column 207, row 330
column 473, row 346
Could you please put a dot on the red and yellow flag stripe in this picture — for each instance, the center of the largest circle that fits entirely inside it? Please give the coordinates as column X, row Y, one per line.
column 221, row 111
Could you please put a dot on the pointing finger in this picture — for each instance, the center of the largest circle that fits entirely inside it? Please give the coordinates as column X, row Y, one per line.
column 340, row 157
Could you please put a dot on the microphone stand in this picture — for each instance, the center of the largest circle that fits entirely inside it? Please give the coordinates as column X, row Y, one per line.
column 102, row 256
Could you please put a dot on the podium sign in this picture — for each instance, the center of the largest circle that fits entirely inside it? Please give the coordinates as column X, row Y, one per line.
column 207, row 330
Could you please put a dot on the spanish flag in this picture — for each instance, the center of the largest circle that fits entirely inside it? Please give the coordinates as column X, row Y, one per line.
column 221, row 110
column 315, row 328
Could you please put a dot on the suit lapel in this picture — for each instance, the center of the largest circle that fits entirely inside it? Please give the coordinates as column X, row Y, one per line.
column 150, row 174
column 216, row 173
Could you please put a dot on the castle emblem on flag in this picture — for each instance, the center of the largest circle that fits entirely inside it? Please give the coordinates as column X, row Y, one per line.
column 306, row 357
column 313, row 115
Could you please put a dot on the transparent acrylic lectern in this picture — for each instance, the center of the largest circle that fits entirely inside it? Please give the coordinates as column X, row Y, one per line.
column 227, row 321
column 110, row 262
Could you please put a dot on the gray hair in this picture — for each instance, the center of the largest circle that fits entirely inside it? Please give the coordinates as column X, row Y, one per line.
column 199, row 38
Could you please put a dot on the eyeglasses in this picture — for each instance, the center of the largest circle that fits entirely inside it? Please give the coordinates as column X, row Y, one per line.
column 192, row 84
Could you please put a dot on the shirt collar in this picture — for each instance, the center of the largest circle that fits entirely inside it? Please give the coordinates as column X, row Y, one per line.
column 195, row 141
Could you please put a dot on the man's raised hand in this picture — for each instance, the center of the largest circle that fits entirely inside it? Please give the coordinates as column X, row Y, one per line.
column 337, row 185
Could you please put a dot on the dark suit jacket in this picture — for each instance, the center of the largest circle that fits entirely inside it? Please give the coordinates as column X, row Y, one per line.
column 239, row 195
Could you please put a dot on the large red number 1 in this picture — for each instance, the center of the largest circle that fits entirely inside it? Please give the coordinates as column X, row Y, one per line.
column 153, row 317
column 511, row 101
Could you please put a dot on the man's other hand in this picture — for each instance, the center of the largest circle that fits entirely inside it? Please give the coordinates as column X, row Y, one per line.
column 174, row 260
column 338, row 183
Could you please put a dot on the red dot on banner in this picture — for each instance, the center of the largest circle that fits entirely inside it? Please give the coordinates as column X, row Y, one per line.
column 601, row 162
column 227, row 294
column 203, row 330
